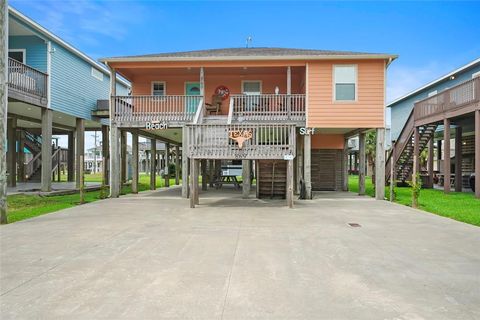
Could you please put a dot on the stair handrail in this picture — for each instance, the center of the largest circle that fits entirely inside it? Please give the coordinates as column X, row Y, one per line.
column 400, row 143
column 200, row 111
column 230, row 111
column 33, row 165
column 34, row 138
column 55, row 155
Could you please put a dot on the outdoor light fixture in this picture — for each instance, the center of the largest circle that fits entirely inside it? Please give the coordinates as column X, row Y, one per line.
column 277, row 90
column 452, row 77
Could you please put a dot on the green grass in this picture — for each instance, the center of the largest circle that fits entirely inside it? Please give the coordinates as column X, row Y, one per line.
column 456, row 205
column 23, row 206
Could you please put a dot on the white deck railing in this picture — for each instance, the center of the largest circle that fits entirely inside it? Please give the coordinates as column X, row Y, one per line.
column 179, row 108
column 267, row 107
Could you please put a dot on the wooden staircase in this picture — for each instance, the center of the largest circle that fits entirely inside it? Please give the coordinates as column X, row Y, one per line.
column 404, row 146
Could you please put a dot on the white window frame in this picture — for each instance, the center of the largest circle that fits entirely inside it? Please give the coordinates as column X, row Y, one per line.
column 157, row 82
column 334, row 97
column 96, row 74
column 24, row 51
column 258, row 81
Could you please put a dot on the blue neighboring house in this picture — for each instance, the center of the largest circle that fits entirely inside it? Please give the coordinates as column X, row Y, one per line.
column 400, row 108
column 53, row 89
column 449, row 101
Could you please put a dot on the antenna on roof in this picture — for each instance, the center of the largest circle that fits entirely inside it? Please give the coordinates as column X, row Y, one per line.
column 248, row 42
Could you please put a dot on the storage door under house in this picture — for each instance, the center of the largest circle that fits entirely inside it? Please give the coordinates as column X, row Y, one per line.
column 327, row 169
column 271, row 179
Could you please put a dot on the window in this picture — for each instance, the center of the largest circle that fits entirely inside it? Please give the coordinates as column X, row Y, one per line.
column 97, row 74
column 475, row 75
column 158, row 88
column 17, row 54
column 252, row 87
column 345, row 82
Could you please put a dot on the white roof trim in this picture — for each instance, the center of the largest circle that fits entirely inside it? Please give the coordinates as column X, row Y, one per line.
column 50, row 35
column 246, row 58
column 474, row 62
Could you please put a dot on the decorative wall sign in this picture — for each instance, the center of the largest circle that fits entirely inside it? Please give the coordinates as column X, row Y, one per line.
column 223, row 92
column 307, row 131
column 240, row 136
column 156, row 125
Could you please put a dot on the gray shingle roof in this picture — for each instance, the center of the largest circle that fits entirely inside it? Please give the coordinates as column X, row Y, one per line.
column 247, row 52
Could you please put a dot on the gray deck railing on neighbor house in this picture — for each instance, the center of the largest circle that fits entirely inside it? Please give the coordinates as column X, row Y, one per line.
column 267, row 107
column 132, row 110
column 241, row 141
column 450, row 102
column 25, row 80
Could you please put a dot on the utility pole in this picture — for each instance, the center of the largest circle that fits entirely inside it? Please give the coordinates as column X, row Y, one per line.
column 3, row 108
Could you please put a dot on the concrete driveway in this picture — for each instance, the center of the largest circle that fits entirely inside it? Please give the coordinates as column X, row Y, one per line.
column 151, row 257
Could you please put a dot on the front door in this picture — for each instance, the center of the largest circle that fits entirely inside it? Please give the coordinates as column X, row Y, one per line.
column 252, row 89
column 191, row 103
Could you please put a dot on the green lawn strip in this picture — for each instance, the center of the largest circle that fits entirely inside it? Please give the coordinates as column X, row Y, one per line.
column 23, row 206
column 456, row 205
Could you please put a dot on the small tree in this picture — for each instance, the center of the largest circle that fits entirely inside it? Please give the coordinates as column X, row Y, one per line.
column 416, row 186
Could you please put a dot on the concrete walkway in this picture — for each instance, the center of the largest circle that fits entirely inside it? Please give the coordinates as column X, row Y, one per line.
column 151, row 257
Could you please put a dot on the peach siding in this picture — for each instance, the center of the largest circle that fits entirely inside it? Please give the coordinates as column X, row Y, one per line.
column 328, row 141
column 366, row 112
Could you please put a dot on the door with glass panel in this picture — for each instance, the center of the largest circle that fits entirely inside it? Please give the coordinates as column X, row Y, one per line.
column 252, row 91
column 192, row 92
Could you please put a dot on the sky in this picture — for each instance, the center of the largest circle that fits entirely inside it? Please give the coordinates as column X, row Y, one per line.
column 431, row 38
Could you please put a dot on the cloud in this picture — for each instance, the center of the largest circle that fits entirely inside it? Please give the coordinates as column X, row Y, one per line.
column 402, row 79
column 85, row 22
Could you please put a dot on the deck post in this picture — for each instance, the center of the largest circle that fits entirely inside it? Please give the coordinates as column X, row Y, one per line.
column 392, row 172
column 71, row 157
column 307, row 165
column 211, row 173
column 166, row 172
column 416, row 154
column 477, row 153
column 246, row 169
column 134, row 161
column 123, row 156
column 153, row 164
column 299, row 161
column 105, row 151
column 204, row 174
column 3, row 107
column 114, row 140
column 439, row 153
column 80, row 147
column 430, row 163
column 361, row 164
column 192, row 184
column 12, row 151
column 195, row 180
column 185, row 161
column 345, row 165
column 177, row 165
column 47, row 116
column 380, row 165
column 21, row 156
column 290, row 183
column 458, row 159
column 446, row 151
